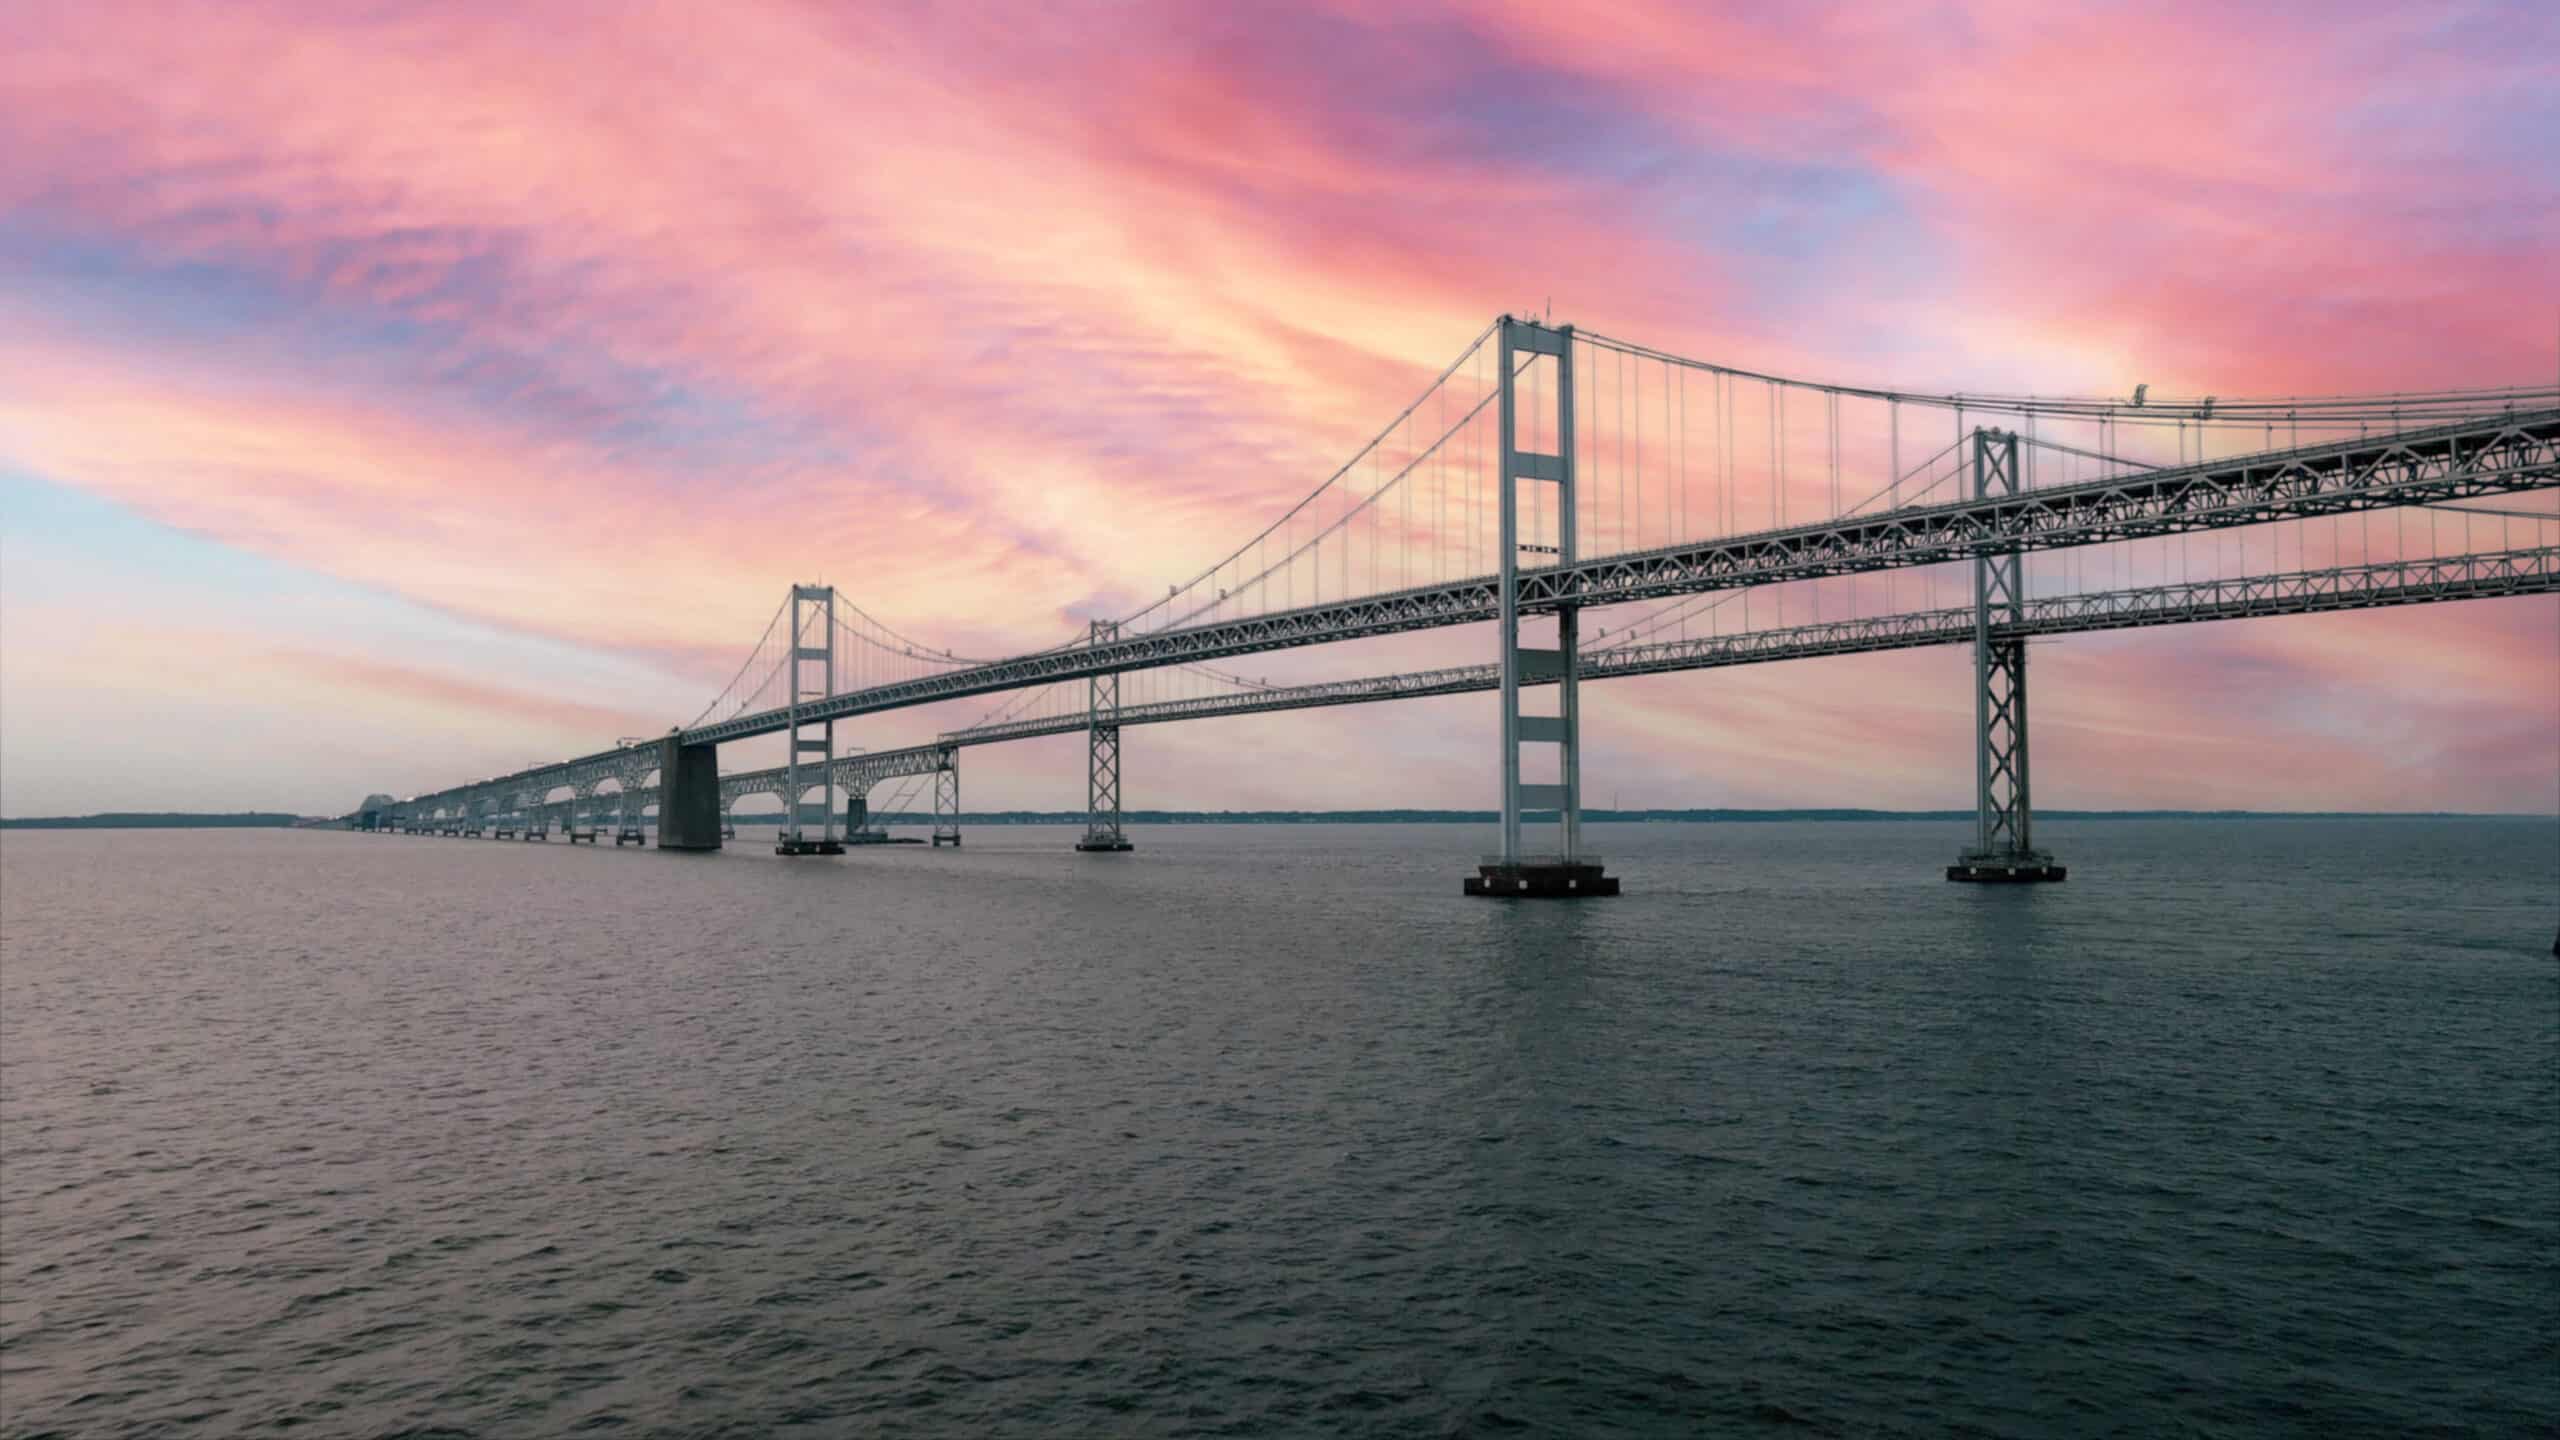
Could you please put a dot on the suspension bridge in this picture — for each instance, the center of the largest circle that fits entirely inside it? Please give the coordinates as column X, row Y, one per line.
column 1609, row 510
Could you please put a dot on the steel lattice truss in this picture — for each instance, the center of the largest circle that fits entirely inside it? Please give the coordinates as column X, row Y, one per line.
column 2351, row 587
column 2450, row 462
column 853, row 774
column 2507, row 454
column 1102, row 749
column 2301, row 592
column 2000, row 671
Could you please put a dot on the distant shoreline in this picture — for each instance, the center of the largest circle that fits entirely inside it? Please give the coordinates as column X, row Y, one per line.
column 156, row 820
column 264, row 820
column 1628, row 817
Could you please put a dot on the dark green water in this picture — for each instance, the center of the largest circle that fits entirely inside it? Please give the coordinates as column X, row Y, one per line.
column 2249, row 1129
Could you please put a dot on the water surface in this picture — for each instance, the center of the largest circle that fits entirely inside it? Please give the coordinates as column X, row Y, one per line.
column 2251, row 1128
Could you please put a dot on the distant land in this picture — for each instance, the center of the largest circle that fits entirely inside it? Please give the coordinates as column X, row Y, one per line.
column 271, row 820
column 1606, row 817
column 154, row 820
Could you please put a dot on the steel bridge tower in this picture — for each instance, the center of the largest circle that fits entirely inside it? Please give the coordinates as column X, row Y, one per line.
column 1567, row 872
column 946, row 798
column 2003, row 850
column 817, row 738
column 1102, row 755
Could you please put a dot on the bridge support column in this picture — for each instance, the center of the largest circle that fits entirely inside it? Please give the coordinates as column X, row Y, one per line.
column 626, row 825
column 810, row 741
column 1102, row 834
column 946, row 801
column 688, row 795
column 2003, row 851
column 1565, row 872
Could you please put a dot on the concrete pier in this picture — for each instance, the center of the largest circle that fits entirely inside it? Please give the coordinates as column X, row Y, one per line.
column 2031, row 868
column 1579, row 879
column 689, row 815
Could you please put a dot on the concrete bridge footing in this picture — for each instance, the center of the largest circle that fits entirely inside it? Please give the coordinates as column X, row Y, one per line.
column 689, row 815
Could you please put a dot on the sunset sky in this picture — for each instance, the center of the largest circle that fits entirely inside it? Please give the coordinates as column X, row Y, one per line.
column 391, row 394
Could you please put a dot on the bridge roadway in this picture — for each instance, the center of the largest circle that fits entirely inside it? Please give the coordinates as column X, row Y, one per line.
column 2443, row 463
column 2499, row 455
column 2488, row 575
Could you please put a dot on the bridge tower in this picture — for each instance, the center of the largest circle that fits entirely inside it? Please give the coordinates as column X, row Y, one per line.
column 1102, row 833
column 812, row 740
column 2003, row 851
column 1566, row 872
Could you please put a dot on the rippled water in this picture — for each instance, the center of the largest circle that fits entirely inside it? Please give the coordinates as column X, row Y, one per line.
column 2248, row 1129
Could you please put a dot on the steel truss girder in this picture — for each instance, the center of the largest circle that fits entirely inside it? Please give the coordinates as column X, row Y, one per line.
column 2450, row 462
column 854, row 774
column 2348, row 587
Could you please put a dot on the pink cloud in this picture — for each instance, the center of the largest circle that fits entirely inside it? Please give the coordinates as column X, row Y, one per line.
column 984, row 317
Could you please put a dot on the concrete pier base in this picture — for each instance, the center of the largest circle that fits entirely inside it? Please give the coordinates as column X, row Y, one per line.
column 2032, row 867
column 809, row 847
column 588, row 835
column 1096, row 844
column 1541, row 880
column 689, row 815
column 940, row 840
column 630, row 835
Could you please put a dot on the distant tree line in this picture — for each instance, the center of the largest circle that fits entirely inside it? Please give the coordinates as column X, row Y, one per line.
column 154, row 820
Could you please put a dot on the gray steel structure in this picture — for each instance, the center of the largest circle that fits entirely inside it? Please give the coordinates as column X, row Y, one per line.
column 1526, row 664
column 2504, row 455
column 2003, row 819
column 2487, row 576
column 2491, row 447
column 806, row 599
column 2444, row 463
column 2490, row 575
column 1102, row 833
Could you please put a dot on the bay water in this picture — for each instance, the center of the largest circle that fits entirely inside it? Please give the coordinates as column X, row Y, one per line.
column 2250, row 1128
